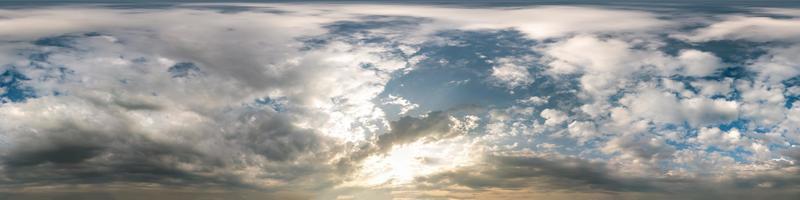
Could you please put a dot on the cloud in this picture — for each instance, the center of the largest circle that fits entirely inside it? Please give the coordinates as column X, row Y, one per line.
column 140, row 102
column 395, row 101
column 537, row 172
column 539, row 22
column 640, row 147
column 511, row 75
column 582, row 53
column 698, row 63
column 666, row 108
column 715, row 137
column 553, row 117
column 79, row 137
column 606, row 63
column 536, row 101
column 433, row 126
column 404, row 104
column 530, row 174
column 436, row 125
column 582, row 131
column 752, row 28
column 778, row 64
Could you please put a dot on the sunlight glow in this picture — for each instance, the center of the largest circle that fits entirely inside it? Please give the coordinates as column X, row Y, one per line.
column 402, row 164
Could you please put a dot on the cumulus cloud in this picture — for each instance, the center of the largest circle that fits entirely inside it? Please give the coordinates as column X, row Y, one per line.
column 665, row 107
column 698, row 63
column 583, row 53
column 553, row 117
column 582, row 131
column 606, row 64
column 510, row 74
column 715, row 137
column 778, row 64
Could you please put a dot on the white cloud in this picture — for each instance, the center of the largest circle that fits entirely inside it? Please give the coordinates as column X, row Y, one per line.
column 698, row 63
column 654, row 105
column 553, row 117
column 606, row 64
column 511, row 74
column 760, row 151
column 404, row 104
column 761, row 103
column 778, row 64
column 759, row 29
column 582, row 131
column 712, row 88
column 707, row 111
column 791, row 124
column 535, row 101
column 583, row 52
column 540, row 22
column 665, row 107
column 724, row 140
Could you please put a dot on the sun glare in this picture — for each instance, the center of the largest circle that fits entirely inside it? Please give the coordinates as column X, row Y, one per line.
column 403, row 164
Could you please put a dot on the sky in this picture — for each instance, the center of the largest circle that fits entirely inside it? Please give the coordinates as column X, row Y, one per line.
column 323, row 100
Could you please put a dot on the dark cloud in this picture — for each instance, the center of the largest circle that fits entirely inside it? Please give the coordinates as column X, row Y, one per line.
column 184, row 69
column 793, row 153
column 520, row 172
column 71, row 153
column 145, row 193
column 435, row 126
column 543, row 174
column 273, row 136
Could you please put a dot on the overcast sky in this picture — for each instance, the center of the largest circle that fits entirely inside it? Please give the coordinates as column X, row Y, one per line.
column 314, row 100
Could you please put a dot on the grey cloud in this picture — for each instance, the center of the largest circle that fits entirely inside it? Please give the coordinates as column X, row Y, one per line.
column 273, row 136
column 435, row 126
column 145, row 193
column 184, row 69
column 72, row 153
column 223, row 144
column 640, row 145
column 519, row 172
column 68, row 144
column 793, row 153
column 551, row 175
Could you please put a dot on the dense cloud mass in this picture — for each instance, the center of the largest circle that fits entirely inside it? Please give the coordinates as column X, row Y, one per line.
column 390, row 101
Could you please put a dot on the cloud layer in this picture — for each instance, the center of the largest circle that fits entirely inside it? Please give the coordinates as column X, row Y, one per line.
column 356, row 101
